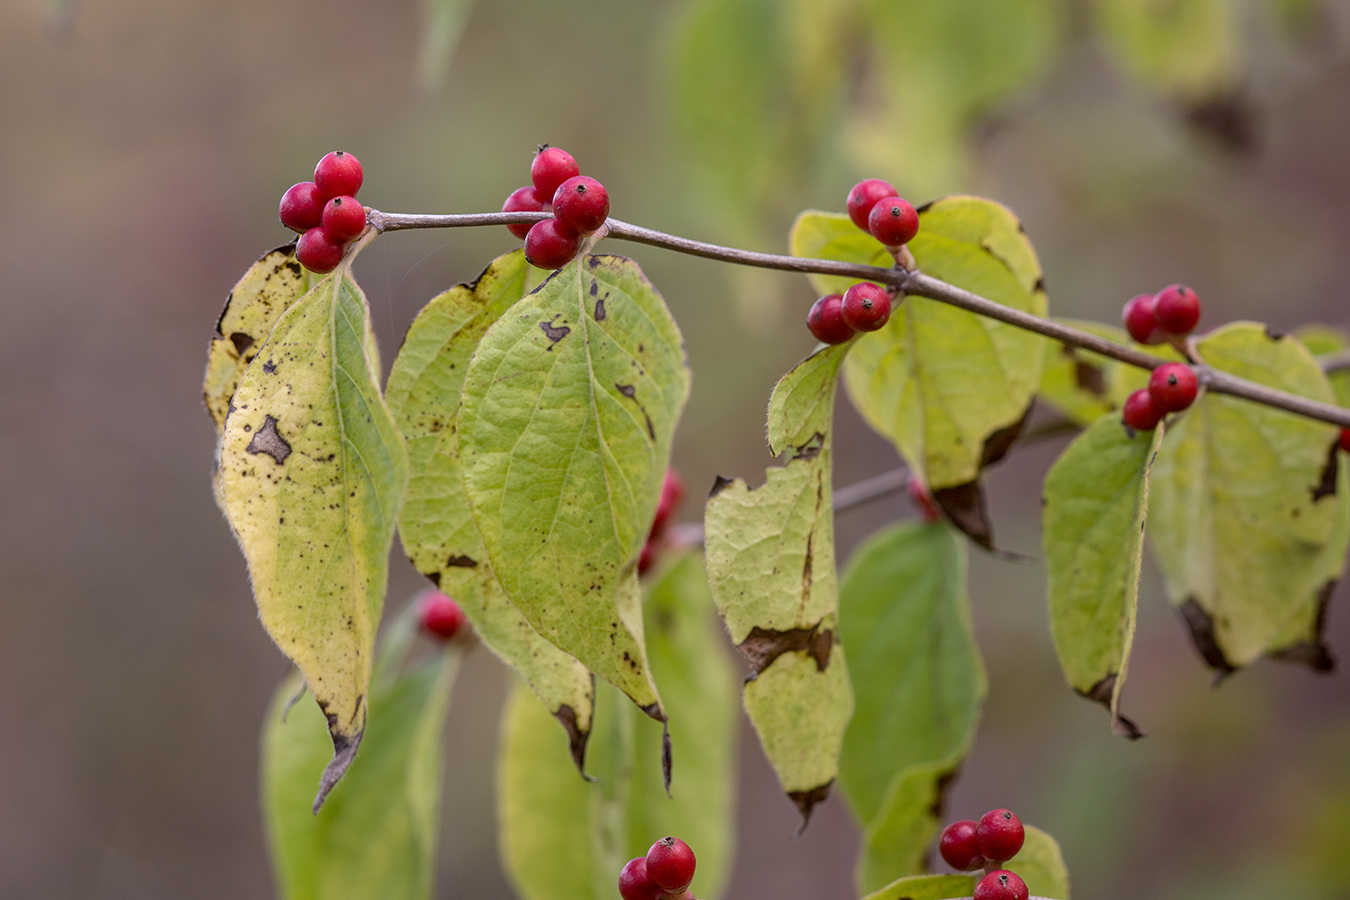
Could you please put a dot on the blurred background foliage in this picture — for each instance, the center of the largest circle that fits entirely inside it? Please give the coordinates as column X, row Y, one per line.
column 145, row 145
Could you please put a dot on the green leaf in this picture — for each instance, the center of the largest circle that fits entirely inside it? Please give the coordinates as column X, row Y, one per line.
column 918, row 680
column 565, row 425
column 1095, row 501
column 267, row 290
column 312, row 473
column 1084, row 385
column 1041, row 865
column 896, row 841
column 443, row 23
column 436, row 525
column 563, row 838
column 926, row 887
column 937, row 381
column 376, row 837
column 1240, row 514
column 1184, row 48
column 1324, row 341
column 770, row 556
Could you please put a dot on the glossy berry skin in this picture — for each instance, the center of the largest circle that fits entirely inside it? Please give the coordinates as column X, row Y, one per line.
column 338, row 175
column 635, row 883
column 672, row 493
column 826, row 320
column 670, row 863
column 438, row 615
column 1344, row 441
column 551, row 167
column 865, row 307
column 550, row 246
column 344, row 218
column 1173, row 387
column 1001, row 885
column 525, row 199
column 1140, row 320
column 957, row 843
column 999, row 835
column 864, row 196
column 1177, row 309
column 893, row 221
column 581, row 203
column 301, row 207
column 1139, row 411
column 319, row 251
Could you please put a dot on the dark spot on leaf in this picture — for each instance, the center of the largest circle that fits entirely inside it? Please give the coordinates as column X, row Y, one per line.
column 593, row 261
column 1313, row 652
column 576, row 737
column 434, row 577
column 1327, row 486
column 241, row 341
column 1274, row 334
column 964, row 505
column 1101, row 693
column 762, row 646
column 1230, row 119
column 1202, row 635
column 1039, row 286
column 719, row 483
column 461, row 562
column 925, row 207
column 553, row 331
column 268, row 440
column 599, row 309
column 667, row 757
column 1089, row 378
column 805, row 801
column 269, row 367
column 654, row 711
column 997, row 445
column 630, row 392
column 344, row 751
column 811, row 448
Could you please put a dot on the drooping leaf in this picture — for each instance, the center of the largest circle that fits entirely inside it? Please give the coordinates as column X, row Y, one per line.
column 918, row 680
column 1041, row 865
column 897, row 840
column 312, row 473
column 436, row 525
column 375, row 838
column 267, row 290
column 1241, row 508
column 1188, row 49
column 565, row 425
column 940, row 382
column 926, row 887
column 563, row 838
column 770, row 555
column 1095, row 501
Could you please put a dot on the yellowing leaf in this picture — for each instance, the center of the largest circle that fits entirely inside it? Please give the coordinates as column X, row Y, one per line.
column 1041, row 865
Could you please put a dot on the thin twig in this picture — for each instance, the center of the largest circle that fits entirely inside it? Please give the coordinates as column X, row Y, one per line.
column 1335, row 362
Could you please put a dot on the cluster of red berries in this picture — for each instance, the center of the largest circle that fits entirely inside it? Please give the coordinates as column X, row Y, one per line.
column 874, row 206
column 968, row 845
column 438, row 615
column 1168, row 315
column 579, row 204
column 1171, row 388
column 672, row 492
column 325, row 212
column 665, row 873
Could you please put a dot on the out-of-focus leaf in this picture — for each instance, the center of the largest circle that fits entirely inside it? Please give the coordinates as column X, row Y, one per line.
column 1095, row 501
column 436, row 524
column 565, row 425
column 897, row 840
column 443, row 22
column 1081, row 384
column 1324, row 341
column 1041, row 865
column 926, row 887
column 1188, row 49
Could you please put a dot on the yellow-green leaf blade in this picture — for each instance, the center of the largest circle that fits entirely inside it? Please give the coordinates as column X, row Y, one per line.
column 565, row 427
column 1041, row 865
column 436, row 524
column 926, row 887
column 897, row 839
column 312, row 474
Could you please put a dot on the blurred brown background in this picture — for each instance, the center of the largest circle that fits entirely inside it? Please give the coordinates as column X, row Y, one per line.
column 143, row 148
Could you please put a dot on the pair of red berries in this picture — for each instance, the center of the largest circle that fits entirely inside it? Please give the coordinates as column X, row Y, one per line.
column 672, row 493
column 439, row 615
column 835, row 318
column 1171, row 388
column 875, row 207
column 579, row 204
column 968, row 845
column 325, row 212
column 1157, row 318
column 667, row 870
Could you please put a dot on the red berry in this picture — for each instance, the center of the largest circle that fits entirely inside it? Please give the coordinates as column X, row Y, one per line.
column 551, row 167
column 826, row 320
column 1139, row 411
column 865, row 306
column 581, row 203
column 524, row 199
column 1177, row 309
column 549, row 245
column 344, row 218
column 923, row 499
column 439, row 615
column 319, row 251
column 1141, row 321
column 893, row 221
column 651, row 552
column 301, row 207
column 1345, row 439
column 672, row 492
column 670, row 863
column 635, row 883
column 1001, row 885
column 338, row 175
column 957, row 843
column 999, row 834
column 864, row 196
column 1173, row 387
